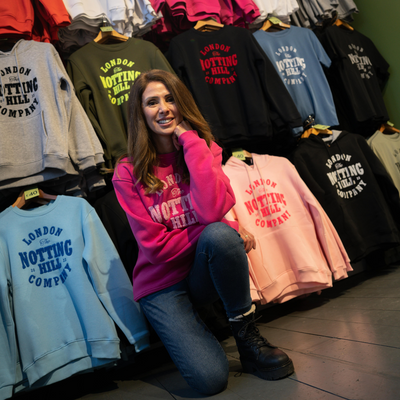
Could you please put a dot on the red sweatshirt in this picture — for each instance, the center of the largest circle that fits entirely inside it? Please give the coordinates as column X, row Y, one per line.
column 167, row 224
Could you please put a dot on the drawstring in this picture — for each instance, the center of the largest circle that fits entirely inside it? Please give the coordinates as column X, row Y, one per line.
column 263, row 182
column 252, row 191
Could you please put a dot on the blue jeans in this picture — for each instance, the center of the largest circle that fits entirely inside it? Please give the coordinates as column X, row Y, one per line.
column 220, row 270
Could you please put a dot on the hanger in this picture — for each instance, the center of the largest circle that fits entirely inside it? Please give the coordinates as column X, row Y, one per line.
column 388, row 129
column 273, row 22
column 109, row 35
column 33, row 195
column 343, row 24
column 208, row 24
column 315, row 131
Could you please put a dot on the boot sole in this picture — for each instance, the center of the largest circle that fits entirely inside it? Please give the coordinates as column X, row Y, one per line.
column 268, row 374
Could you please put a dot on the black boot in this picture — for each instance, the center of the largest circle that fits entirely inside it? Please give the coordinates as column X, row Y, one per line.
column 257, row 355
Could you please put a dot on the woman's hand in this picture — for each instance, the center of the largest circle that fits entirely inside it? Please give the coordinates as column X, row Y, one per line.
column 182, row 127
column 248, row 239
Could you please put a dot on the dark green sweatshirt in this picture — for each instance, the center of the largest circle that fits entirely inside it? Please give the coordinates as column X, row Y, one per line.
column 102, row 75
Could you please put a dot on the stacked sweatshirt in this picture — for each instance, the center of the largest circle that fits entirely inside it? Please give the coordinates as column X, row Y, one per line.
column 62, row 289
column 297, row 248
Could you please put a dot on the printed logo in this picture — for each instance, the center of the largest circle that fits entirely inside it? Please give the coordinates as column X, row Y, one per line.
column 218, row 64
column 345, row 176
column 290, row 65
column 119, row 79
column 18, row 92
column 178, row 212
column 269, row 207
column 362, row 62
column 46, row 259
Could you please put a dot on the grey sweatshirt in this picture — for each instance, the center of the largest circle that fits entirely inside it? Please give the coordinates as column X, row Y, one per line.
column 45, row 133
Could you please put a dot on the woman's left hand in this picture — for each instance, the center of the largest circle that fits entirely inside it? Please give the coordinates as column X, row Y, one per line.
column 248, row 239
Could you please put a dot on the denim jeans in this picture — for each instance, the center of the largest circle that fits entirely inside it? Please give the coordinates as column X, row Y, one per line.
column 220, row 270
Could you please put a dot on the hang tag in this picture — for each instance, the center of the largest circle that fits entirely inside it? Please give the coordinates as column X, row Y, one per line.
column 106, row 28
column 275, row 21
column 321, row 127
column 30, row 193
column 238, row 153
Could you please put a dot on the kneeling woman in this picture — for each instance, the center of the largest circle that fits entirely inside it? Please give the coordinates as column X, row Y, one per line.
column 175, row 194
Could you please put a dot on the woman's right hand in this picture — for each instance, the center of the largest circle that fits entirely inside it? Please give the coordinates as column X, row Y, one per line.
column 182, row 127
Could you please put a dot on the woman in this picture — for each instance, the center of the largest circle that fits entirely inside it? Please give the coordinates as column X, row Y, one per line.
column 175, row 195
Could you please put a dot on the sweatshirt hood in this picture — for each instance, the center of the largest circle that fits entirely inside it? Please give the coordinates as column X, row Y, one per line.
column 253, row 174
column 13, row 53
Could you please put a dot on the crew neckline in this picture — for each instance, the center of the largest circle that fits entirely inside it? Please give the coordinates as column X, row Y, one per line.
column 277, row 33
column 112, row 46
column 37, row 211
column 212, row 33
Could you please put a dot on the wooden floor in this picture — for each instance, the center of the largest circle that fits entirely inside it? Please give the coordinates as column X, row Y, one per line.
column 345, row 344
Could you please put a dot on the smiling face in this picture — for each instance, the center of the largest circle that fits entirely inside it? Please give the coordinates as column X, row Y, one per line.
column 160, row 111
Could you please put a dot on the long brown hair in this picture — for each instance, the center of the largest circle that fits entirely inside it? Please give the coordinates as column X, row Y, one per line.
column 141, row 149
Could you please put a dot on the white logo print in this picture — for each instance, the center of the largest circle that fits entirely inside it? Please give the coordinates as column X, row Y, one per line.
column 362, row 62
column 291, row 66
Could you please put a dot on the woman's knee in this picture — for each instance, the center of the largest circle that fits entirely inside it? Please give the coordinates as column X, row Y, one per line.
column 222, row 235
column 210, row 380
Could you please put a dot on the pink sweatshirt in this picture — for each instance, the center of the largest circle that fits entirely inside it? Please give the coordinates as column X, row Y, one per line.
column 167, row 224
column 297, row 248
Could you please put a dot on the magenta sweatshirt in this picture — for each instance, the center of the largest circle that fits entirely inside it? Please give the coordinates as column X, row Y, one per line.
column 167, row 224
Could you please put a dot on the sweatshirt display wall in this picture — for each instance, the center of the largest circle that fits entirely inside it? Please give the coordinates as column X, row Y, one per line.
column 234, row 75
column 62, row 288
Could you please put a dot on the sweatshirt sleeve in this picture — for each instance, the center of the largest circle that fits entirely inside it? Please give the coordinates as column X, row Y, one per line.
column 111, row 282
column 158, row 244
column 8, row 341
column 211, row 193
column 330, row 242
column 84, row 147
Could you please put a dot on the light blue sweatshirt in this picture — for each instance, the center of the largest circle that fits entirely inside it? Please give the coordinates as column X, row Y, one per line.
column 62, row 287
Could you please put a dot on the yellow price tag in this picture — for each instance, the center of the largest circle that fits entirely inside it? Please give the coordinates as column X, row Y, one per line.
column 30, row 193
column 275, row 21
column 390, row 123
column 238, row 153
column 321, row 127
column 106, row 28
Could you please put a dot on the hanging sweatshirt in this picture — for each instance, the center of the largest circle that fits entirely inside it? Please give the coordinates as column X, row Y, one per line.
column 357, row 77
column 102, row 75
column 297, row 247
column 234, row 84
column 44, row 130
column 387, row 149
column 298, row 56
column 167, row 224
column 354, row 189
column 62, row 288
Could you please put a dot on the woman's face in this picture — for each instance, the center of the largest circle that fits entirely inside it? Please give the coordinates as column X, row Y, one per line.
column 161, row 113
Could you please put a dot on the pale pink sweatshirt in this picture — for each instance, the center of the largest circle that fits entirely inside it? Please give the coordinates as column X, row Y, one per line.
column 168, row 224
column 297, row 248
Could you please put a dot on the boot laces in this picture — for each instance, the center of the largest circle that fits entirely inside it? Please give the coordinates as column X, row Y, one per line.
column 251, row 334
